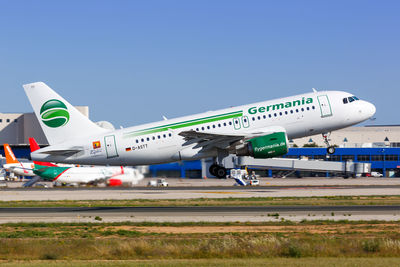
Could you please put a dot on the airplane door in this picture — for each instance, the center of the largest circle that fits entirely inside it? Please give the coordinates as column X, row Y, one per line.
column 325, row 106
column 111, row 147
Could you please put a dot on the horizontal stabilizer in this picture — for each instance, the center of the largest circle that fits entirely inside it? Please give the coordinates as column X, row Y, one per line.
column 67, row 152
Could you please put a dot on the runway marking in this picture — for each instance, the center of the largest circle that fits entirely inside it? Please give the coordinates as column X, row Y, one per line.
column 221, row 192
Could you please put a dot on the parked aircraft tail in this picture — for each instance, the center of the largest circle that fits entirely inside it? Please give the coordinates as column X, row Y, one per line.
column 34, row 146
column 10, row 157
column 58, row 118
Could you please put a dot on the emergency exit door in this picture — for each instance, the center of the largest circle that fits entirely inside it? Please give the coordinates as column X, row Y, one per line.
column 111, row 147
column 325, row 106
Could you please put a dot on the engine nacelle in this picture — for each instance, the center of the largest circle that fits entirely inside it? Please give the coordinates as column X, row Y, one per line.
column 114, row 182
column 267, row 146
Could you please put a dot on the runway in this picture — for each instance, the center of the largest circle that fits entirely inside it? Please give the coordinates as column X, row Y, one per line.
column 196, row 214
column 186, row 192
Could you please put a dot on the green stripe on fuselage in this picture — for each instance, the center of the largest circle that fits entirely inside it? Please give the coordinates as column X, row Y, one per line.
column 183, row 124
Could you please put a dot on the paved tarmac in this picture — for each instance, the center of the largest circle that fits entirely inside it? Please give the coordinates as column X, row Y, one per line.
column 19, row 194
column 196, row 214
column 210, row 188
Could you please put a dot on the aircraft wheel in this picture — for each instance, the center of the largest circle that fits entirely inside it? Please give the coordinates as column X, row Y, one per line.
column 331, row 150
column 221, row 172
column 213, row 169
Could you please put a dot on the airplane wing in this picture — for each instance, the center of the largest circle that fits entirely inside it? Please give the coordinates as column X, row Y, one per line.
column 210, row 140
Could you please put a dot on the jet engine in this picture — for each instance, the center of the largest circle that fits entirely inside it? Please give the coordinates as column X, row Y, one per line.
column 267, row 146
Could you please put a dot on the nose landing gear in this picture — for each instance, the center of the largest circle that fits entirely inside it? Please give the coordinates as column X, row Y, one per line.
column 330, row 149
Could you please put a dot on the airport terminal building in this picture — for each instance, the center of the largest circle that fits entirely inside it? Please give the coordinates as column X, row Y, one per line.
column 377, row 144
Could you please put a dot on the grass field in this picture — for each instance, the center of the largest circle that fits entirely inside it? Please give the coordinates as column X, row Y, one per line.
column 207, row 241
column 254, row 201
column 276, row 262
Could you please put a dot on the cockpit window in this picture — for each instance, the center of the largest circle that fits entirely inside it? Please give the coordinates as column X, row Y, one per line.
column 350, row 99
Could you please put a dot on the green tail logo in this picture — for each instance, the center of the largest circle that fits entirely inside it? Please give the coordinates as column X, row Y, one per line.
column 54, row 113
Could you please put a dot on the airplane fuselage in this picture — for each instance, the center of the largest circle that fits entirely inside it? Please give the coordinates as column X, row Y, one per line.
column 160, row 142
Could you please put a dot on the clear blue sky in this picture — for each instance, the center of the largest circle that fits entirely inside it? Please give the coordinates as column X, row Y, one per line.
column 133, row 61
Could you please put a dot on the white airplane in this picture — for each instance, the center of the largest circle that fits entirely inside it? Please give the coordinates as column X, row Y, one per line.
column 260, row 130
column 15, row 166
column 113, row 176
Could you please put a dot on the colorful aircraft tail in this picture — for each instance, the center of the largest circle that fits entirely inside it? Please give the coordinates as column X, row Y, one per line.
column 59, row 120
column 10, row 157
column 34, row 146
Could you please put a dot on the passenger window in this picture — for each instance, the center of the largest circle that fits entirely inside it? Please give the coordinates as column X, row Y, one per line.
column 208, row 127
column 170, row 135
column 308, row 108
column 302, row 109
column 259, row 118
column 137, row 141
column 224, row 123
column 280, row 113
column 213, row 125
column 286, row 112
column 164, row 135
column 291, row 111
column 275, row 114
column 142, row 140
column 264, row 117
column 270, row 115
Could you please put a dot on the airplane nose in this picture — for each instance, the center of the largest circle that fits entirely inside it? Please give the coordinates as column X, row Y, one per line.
column 370, row 109
column 367, row 109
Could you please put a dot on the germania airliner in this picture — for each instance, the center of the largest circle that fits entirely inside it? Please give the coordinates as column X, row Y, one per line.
column 259, row 130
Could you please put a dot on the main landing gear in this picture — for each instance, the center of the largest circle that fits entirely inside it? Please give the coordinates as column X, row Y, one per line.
column 330, row 149
column 218, row 171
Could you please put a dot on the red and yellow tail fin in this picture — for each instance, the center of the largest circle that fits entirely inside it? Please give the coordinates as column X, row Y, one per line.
column 34, row 146
column 10, row 157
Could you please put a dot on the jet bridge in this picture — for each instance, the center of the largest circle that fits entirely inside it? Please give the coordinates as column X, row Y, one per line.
column 346, row 168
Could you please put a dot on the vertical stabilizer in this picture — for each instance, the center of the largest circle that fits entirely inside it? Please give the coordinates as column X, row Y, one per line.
column 34, row 146
column 10, row 157
column 59, row 120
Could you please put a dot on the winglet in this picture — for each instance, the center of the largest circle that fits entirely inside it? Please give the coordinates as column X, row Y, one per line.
column 34, row 146
column 10, row 157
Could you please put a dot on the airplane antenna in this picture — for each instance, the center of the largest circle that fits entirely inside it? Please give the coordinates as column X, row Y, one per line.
column 314, row 90
column 165, row 118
